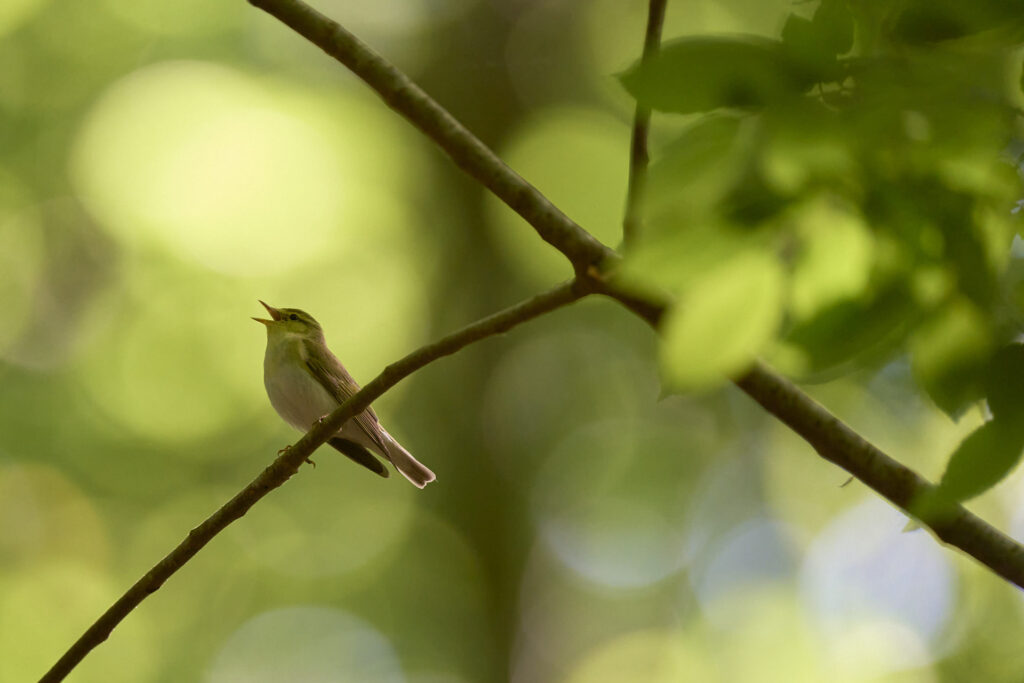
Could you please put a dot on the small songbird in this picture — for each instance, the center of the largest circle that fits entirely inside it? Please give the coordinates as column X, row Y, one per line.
column 305, row 382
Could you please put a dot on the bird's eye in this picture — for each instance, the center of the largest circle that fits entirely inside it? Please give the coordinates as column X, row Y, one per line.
column 293, row 317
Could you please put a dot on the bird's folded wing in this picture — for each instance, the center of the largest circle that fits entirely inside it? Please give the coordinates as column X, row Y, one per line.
column 333, row 377
column 359, row 454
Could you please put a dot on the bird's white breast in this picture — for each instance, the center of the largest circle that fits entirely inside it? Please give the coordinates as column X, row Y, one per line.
column 295, row 394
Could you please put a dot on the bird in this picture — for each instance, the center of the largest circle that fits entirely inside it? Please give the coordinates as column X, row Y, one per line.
column 305, row 382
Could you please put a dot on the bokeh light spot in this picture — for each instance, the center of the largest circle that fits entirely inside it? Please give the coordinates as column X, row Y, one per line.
column 652, row 656
column 340, row 520
column 861, row 572
column 169, row 367
column 310, row 644
column 14, row 12
column 759, row 551
column 184, row 17
column 45, row 608
column 610, row 507
column 577, row 158
column 215, row 165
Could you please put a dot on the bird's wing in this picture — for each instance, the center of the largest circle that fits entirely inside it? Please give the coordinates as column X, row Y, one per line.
column 333, row 377
column 359, row 454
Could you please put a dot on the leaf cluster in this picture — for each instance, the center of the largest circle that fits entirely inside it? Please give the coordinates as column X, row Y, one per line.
column 840, row 196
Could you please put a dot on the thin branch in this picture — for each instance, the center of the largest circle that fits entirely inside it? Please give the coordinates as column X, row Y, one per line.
column 838, row 443
column 832, row 439
column 288, row 463
column 638, row 156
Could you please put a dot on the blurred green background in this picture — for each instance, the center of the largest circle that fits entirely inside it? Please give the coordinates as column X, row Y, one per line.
column 163, row 165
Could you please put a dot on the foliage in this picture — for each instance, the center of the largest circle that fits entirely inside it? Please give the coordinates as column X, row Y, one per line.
column 867, row 151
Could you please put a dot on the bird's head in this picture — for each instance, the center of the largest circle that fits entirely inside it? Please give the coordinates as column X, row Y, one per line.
column 291, row 322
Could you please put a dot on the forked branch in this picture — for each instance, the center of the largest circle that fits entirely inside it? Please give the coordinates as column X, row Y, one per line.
column 829, row 436
column 288, row 463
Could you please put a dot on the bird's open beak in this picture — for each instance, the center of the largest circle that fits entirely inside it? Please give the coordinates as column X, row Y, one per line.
column 274, row 314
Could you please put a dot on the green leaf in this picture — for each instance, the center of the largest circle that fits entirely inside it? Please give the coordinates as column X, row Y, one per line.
column 702, row 74
column 833, row 21
column 928, row 21
column 726, row 318
column 835, row 257
column 815, row 44
column 692, row 174
column 1004, row 383
column 949, row 355
column 675, row 258
column 981, row 461
column 857, row 332
column 804, row 145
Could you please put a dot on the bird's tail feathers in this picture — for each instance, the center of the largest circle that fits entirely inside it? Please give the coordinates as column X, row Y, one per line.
column 410, row 468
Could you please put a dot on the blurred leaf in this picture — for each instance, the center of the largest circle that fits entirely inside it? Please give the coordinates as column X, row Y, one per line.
column 705, row 73
column 835, row 256
column 928, row 21
column 814, row 44
column 723, row 322
column 692, row 174
column 981, row 461
column 834, row 22
column 858, row 331
column 804, row 146
column 949, row 355
column 1004, row 383
column 753, row 200
column 677, row 257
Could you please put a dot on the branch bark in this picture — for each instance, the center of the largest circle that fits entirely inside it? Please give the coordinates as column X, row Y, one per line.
column 638, row 156
column 829, row 436
column 288, row 463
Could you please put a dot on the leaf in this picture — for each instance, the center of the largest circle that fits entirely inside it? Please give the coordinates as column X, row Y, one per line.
column 694, row 171
column 804, row 145
column 856, row 332
column 673, row 258
column 1004, row 383
column 928, row 21
column 834, row 263
column 726, row 318
column 982, row 460
column 702, row 74
column 814, row 44
column 949, row 355
column 833, row 20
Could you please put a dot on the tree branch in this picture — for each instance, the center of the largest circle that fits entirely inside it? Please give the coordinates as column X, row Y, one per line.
column 288, row 463
column 832, row 439
column 838, row 443
column 638, row 156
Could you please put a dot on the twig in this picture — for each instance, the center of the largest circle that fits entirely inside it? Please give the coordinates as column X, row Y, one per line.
column 638, row 156
column 832, row 439
column 289, row 462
